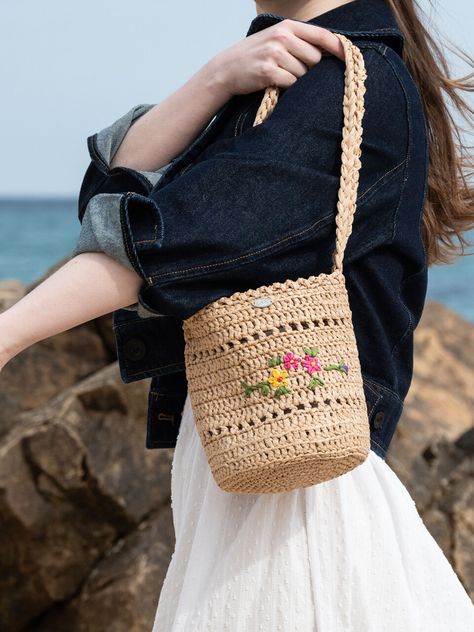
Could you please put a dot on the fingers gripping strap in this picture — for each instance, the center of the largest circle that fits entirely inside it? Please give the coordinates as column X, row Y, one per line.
column 353, row 109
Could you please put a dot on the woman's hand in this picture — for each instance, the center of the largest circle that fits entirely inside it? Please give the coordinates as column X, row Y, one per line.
column 278, row 55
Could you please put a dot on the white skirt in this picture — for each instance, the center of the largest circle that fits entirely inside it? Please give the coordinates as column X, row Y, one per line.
column 351, row 554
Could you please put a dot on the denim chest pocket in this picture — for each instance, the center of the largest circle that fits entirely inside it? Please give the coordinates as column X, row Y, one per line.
column 244, row 115
column 237, row 117
column 242, row 121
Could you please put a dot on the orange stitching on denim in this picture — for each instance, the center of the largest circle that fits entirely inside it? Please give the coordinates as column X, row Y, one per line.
column 381, row 178
column 378, row 445
column 149, row 241
column 237, row 123
column 241, row 121
column 221, row 263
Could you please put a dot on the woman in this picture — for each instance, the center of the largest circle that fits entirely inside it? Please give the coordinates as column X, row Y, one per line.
column 243, row 206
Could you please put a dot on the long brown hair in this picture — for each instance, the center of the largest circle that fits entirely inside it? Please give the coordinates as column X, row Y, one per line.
column 449, row 206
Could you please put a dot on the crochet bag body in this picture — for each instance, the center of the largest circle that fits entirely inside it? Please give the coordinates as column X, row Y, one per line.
column 273, row 373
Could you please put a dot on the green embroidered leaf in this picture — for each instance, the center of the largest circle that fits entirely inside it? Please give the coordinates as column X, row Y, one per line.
column 248, row 388
column 264, row 387
column 311, row 351
column 281, row 390
column 315, row 381
column 336, row 367
column 276, row 361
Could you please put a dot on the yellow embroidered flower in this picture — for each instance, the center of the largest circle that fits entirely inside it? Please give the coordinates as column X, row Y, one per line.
column 278, row 378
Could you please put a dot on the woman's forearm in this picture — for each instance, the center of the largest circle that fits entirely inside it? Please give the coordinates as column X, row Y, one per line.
column 278, row 55
column 85, row 287
column 169, row 127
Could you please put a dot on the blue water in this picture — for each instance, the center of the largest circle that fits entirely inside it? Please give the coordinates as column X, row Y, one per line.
column 35, row 234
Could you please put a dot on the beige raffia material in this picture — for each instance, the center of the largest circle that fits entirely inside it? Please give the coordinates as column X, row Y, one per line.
column 259, row 442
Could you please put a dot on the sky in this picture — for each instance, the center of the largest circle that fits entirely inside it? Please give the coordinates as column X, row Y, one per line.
column 68, row 70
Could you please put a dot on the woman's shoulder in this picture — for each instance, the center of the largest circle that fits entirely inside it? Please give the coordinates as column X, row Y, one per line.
column 387, row 69
column 391, row 96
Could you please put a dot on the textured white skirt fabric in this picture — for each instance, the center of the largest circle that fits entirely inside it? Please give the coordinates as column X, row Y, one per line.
column 351, row 554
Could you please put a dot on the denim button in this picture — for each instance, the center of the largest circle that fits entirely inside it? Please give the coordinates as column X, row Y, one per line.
column 378, row 419
column 134, row 349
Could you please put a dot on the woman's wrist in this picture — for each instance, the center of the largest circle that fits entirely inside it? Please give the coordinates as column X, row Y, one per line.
column 170, row 126
column 216, row 79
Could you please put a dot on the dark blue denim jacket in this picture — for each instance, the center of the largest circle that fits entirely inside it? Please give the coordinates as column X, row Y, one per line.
column 246, row 206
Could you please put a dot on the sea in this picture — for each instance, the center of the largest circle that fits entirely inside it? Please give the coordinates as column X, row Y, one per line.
column 36, row 233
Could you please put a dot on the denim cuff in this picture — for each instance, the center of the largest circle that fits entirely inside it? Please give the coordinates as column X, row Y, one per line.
column 101, row 232
column 100, row 226
column 109, row 139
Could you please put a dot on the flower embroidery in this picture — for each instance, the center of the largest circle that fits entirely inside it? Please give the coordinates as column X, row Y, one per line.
column 278, row 378
column 290, row 361
column 278, row 381
column 341, row 366
column 311, row 364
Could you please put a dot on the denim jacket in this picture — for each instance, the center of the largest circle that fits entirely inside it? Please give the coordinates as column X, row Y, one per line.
column 246, row 206
column 100, row 219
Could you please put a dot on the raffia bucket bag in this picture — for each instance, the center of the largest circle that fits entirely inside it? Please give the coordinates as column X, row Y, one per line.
column 273, row 372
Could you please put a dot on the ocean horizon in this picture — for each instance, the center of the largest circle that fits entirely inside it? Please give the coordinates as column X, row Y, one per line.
column 35, row 233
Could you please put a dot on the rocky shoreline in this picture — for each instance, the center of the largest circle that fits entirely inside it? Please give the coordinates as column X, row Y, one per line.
column 85, row 514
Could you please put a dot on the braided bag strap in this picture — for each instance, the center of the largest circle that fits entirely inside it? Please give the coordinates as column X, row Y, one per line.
column 353, row 109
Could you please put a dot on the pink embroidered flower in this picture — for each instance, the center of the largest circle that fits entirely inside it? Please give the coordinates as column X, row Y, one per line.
column 290, row 361
column 311, row 364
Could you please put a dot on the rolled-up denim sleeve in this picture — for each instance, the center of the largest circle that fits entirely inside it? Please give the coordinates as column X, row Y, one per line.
column 108, row 140
column 100, row 216
column 260, row 207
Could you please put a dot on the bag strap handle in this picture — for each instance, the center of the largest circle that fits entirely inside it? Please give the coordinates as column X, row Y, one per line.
column 353, row 108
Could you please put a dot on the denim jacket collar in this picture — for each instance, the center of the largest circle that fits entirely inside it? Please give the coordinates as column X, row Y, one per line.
column 373, row 18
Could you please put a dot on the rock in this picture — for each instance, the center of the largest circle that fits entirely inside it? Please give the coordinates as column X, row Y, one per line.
column 440, row 402
column 74, row 479
column 50, row 366
column 450, row 514
column 432, row 450
column 47, row 368
column 11, row 290
column 439, row 526
column 129, row 577
column 463, row 561
column 104, row 329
